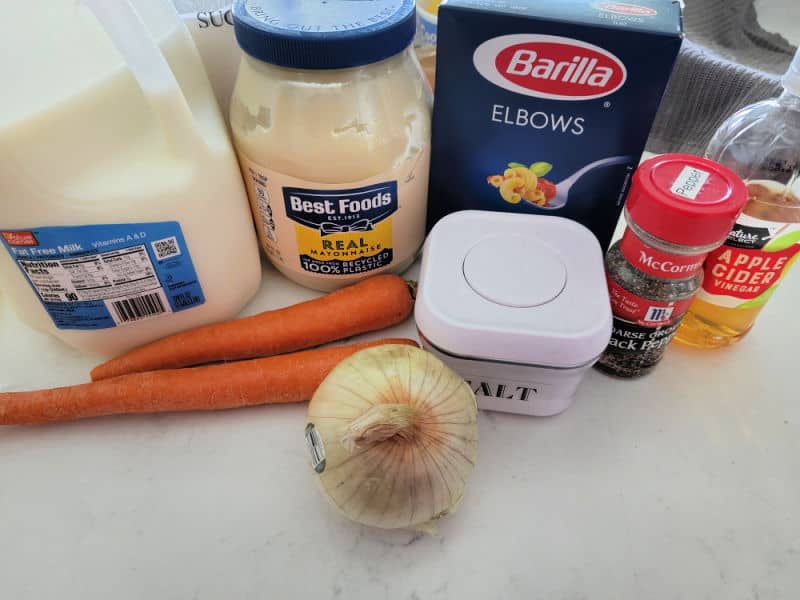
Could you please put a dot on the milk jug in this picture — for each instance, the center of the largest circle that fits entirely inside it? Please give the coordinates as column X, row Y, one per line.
column 123, row 216
column 211, row 24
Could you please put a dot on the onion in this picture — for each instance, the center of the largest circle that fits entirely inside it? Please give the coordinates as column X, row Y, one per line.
column 393, row 435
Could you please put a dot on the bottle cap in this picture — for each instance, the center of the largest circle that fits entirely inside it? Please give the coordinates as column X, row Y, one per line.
column 791, row 80
column 685, row 199
column 323, row 34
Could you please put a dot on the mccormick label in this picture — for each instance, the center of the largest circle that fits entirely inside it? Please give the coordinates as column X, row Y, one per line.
column 655, row 263
column 745, row 271
column 643, row 326
column 545, row 108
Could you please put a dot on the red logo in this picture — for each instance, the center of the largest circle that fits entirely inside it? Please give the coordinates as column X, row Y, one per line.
column 20, row 238
column 623, row 8
column 647, row 313
column 550, row 67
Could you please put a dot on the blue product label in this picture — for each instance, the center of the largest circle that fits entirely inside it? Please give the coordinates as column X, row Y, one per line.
column 102, row 276
column 343, row 232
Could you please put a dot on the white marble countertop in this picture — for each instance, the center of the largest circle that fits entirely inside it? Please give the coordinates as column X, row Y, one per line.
column 683, row 485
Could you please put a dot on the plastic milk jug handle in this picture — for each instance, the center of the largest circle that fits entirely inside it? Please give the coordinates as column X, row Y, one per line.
column 144, row 58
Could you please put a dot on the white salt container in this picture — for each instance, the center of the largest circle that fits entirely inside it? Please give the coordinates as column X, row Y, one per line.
column 516, row 304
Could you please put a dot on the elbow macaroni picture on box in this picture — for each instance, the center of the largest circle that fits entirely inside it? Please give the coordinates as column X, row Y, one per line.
column 519, row 183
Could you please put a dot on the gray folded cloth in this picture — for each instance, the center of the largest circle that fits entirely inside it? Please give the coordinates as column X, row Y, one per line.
column 727, row 62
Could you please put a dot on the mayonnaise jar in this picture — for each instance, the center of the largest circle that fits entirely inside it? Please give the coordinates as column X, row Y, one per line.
column 331, row 121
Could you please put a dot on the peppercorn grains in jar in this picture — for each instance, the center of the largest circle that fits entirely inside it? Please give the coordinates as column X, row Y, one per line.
column 679, row 209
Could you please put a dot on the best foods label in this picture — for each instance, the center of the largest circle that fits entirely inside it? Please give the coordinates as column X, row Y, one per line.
column 343, row 232
column 336, row 230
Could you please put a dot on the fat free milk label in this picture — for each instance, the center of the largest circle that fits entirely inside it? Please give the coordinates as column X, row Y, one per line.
column 103, row 276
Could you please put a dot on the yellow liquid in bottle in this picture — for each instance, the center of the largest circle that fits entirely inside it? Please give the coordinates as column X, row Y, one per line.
column 709, row 325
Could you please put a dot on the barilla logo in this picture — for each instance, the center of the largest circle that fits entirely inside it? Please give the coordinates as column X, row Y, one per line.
column 552, row 67
column 20, row 238
column 623, row 8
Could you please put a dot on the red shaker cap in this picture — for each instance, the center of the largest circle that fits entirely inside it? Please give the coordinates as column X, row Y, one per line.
column 685, row 199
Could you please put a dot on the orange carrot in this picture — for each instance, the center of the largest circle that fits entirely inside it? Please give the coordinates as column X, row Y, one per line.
column 373, row 304
column 273, row 380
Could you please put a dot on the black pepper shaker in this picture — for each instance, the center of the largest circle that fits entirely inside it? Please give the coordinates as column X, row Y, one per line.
column 679, row 208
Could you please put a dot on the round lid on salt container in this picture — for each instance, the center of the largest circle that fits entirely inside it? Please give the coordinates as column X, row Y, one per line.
column 500, row 286
column 525, row 289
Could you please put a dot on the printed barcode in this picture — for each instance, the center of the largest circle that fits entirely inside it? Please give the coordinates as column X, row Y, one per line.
column 166, row 248
column 140, row 307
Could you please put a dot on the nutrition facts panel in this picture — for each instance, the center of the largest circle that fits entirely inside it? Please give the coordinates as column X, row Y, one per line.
column 98, row 277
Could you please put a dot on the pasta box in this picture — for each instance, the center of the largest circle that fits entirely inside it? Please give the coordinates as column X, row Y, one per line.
column 545, row 107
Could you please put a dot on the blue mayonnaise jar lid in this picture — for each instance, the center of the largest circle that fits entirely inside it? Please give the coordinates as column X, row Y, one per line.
column 323, row 34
